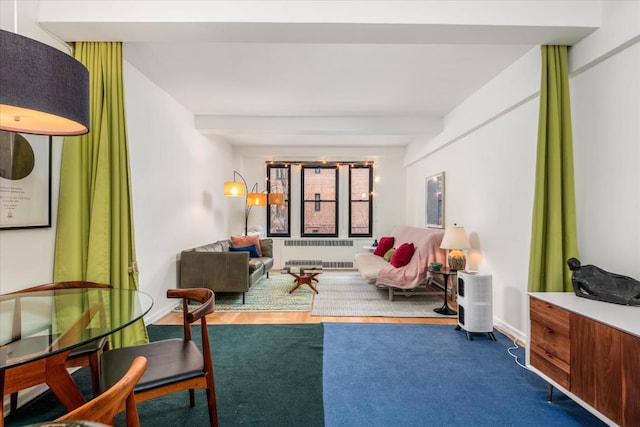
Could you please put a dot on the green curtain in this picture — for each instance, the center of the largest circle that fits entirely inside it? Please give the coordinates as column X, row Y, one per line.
column 553, row 234
column 94, row 236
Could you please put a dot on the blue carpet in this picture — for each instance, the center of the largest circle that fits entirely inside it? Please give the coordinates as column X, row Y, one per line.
column 411, row 375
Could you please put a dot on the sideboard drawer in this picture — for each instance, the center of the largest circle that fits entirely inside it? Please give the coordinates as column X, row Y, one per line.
column 557, row 319
column 550, row 341
column 555, row 343
column 551, row 366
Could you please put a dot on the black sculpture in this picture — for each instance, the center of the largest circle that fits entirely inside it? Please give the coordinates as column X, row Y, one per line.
column 592, row 282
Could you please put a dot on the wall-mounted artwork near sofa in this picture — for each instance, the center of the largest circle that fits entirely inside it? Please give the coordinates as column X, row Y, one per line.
column 434, row 201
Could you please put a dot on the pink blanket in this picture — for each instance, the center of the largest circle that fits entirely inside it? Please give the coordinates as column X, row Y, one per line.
column 427, row 244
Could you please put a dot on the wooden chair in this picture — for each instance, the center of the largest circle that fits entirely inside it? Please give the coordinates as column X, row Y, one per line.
column 86, row 355
column 119, row 397
column 175, row 364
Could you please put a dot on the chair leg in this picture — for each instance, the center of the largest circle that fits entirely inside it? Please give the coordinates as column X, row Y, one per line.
column 192, row 397
column 211, row 401
column 94, row 366
column 13, row 402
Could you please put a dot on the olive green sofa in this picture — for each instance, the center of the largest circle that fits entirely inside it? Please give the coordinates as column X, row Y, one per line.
column 213, row 266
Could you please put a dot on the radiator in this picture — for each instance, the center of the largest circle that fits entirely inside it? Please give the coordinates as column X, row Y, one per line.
column 332, row 253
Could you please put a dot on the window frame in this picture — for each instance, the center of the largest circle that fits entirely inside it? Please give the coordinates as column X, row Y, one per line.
column 287, row 199
column 336, row 200
column 369, row 200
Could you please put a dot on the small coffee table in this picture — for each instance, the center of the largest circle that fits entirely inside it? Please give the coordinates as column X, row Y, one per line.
column 304, row 275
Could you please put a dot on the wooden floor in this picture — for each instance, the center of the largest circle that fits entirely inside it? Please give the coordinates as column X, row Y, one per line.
column 259, row 318
column 227, row 318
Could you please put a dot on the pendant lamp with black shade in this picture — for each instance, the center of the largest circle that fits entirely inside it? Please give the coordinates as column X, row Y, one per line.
column 43, row 91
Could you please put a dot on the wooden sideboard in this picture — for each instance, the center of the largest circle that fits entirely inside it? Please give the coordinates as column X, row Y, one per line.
column 590, row 350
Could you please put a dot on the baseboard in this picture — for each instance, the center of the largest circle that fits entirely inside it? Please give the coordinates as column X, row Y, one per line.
column 512, row 333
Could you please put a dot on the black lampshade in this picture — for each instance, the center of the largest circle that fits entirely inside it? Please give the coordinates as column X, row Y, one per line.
column 43, row 91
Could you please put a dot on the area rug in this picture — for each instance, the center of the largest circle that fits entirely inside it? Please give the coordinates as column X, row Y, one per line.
column 265, row 375
column 269, row 294
column 346, row 294
column 419, row 375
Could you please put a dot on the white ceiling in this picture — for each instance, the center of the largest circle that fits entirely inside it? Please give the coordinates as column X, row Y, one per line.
column 321, row 73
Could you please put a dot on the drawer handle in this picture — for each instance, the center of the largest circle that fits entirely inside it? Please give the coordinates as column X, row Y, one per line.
column 548, row 330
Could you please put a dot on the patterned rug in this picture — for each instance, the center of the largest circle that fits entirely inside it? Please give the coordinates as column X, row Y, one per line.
column 270, row 294
column 346, row 294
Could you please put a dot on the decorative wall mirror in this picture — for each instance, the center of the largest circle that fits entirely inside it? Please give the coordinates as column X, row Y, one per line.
column 434, row 198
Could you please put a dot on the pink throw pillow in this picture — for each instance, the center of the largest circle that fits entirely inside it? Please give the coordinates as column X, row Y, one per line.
column 247, row 241
column 384, row 245
column 402, row 255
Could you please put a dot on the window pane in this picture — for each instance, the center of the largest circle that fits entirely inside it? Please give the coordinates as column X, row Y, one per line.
column 322, row 221
column 323, row 183
column 360, row 218
column 278, row 216
column 359, row 183
column 360, row 211
column 319, row 204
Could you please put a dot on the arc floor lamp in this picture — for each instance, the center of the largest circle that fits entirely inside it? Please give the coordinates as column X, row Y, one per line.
column 252, row 198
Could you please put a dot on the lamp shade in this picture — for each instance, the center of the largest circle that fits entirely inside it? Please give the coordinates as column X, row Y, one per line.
column 276, row 198
column 43, row 91
column 257, row 199
column 455, row 238
column 234, row 188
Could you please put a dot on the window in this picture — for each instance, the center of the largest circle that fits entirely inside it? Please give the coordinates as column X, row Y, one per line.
column 360, row 201
column 318, row 189
column 279, row 216
column 319, row 201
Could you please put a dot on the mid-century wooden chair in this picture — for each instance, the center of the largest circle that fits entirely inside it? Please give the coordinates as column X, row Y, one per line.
column 119, row 397
column 173, row 364
column 86, row 355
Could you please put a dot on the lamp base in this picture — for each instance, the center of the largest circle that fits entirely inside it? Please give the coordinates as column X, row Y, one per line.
column 457, row 261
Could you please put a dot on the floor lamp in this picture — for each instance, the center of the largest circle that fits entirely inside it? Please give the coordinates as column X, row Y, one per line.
column 251, row 198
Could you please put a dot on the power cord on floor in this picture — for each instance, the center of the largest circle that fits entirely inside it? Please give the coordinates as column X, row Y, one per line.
column 515, row 356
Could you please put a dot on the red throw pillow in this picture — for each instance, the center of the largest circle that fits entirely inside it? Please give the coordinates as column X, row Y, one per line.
column 384, row 245
column 402, row 255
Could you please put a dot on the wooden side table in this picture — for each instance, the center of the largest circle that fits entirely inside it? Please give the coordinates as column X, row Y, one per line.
column 445, row 272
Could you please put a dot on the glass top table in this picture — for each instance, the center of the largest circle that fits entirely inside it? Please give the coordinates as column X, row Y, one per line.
column 39, row 329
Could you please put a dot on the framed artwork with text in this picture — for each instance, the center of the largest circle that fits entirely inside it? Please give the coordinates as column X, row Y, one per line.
column 25, row 180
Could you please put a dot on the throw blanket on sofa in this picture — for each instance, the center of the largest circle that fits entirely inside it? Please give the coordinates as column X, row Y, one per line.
column 427, row 250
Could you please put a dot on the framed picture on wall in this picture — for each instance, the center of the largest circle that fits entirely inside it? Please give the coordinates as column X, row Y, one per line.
column 25, row 180
column 434, row 198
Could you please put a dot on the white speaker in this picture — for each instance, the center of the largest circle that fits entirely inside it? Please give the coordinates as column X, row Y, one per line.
column 475, row 303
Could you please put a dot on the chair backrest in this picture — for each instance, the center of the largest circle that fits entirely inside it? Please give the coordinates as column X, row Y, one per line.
column 104, row 408
column 206, row 298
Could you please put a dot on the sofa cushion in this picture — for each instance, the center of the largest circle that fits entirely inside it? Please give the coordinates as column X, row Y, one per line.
column 267, row 262
column 402, row 255
column 384, row 245
column 369, row 265
column 387, row 256
column 252, row 249
column 255, row 264
column 266, row 247
column 246, row 241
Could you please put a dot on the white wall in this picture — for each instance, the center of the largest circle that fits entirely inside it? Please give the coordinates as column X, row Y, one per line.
column 177, row 175
column 606, row 113
column 489, row 177
column 487, row 149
